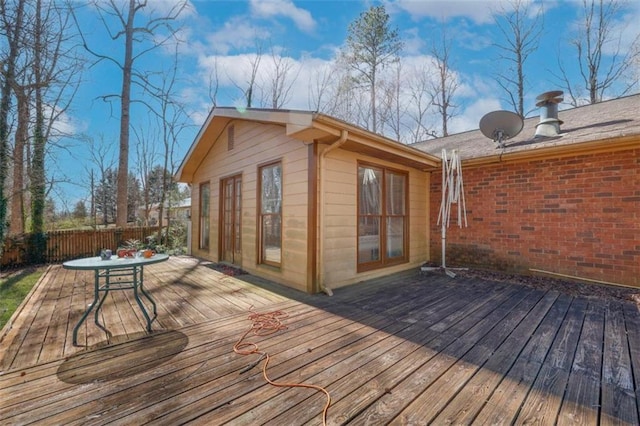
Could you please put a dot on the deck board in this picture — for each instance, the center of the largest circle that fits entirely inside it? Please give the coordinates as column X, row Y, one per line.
column 583, row 388
column 461, row 359
column 618, row 398
column 410, row 348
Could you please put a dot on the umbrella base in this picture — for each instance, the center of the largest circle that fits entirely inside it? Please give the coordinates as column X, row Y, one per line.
column 448, row 271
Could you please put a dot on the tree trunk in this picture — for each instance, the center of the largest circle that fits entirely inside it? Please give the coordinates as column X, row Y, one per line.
column 13, row 38
column 16, row 225
column 444, row 104
column 123, row 163
column 38, row 175
column 374, row 126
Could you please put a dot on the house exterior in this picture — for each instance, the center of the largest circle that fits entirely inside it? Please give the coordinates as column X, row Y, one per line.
column 565, row 204
column 313, row 202
column 176, row 212
column 305, row 199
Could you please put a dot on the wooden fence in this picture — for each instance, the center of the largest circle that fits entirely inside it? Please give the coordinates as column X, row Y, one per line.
column 71, row 244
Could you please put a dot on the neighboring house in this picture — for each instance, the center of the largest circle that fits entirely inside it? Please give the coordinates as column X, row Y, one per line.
column 311, row 201
column 180, row 212
column 565, row 203
column 305, row 199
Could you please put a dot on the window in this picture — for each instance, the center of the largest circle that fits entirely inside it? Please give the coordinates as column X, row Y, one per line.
column 204, row 215
column 270, row 217
column 382, row 218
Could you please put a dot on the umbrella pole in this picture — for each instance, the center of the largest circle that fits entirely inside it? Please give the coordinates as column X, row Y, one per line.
column 448, row 178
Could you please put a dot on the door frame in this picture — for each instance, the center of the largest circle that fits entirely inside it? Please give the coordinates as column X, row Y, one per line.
column 236, row 240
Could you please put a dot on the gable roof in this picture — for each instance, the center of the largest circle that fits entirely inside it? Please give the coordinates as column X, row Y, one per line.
column 306, row 126
column 604, row 126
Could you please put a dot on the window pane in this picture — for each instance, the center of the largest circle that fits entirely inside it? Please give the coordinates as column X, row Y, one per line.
column 395, row 193
column 271, row 242
column 204, row 216
column 395, row 237
column 271, row 189
column 238, row 213
column 370, row 190
column 368, row 239
column 271, row 214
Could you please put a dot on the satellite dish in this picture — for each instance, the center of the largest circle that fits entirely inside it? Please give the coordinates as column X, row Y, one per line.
column 501, row 125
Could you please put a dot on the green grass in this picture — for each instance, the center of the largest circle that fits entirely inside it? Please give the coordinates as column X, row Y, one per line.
column 14, row 288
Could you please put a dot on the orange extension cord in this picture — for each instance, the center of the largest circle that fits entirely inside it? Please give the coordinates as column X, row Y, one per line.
column 263, row 325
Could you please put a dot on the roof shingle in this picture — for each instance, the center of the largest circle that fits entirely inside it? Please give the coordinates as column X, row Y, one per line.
column 602, row 121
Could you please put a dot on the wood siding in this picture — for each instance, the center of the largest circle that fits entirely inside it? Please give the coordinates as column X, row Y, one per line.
column 255, row 144
column 339, row 266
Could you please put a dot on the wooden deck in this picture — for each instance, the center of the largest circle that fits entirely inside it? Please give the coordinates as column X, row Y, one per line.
column 407, row 349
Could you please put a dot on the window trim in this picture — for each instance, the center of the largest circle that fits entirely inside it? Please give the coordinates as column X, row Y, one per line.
column 384, row 261
column 260, row 239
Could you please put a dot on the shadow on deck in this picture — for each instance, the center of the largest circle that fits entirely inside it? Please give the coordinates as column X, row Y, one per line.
column 411, row 348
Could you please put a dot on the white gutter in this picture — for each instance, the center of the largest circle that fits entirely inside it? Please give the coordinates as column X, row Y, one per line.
column 336, row 144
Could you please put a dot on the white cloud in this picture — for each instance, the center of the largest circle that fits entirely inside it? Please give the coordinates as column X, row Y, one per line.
column 469, row 118
column 413, row 42
column 273, row 8
column 626, row 31
column 171, row 7
column 475, row 96
column 480, row 11
column 235, row 70
column 236, row 33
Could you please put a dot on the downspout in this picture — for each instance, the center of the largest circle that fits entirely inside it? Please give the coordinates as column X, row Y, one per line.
column 321, row 198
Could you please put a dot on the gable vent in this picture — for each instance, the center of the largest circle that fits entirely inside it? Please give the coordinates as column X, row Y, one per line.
column 231, row 137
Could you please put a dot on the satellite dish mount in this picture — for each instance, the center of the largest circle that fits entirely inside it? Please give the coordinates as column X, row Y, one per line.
column 501, row 125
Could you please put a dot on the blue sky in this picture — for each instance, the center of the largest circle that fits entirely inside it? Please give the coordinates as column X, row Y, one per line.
column 223, row 35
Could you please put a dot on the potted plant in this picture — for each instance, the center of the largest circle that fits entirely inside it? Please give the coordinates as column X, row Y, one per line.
column 129, row 248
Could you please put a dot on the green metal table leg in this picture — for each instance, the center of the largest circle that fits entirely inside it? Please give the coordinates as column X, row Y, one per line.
column 147, row 295
column 96, row 285
column 137, row 284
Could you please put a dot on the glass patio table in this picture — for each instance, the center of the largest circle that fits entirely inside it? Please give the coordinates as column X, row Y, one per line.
column 117, row 273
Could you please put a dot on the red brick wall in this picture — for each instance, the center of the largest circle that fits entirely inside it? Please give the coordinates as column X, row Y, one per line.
column 578, row 216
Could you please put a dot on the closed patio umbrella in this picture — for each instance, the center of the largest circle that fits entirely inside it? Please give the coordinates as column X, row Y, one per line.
column 452, row 193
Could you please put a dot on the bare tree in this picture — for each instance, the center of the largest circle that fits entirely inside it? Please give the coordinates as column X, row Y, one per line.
column 521, row 28
column 56, row 70
column 21, row 143
column 249, row 87
column 319, row 87
column 172, row 121
column 147, row 155
column 38, row 184
column 371, row 45
column 214, row 84
column 446, row 83
column 606, row 67
column 145, row 33
column 420, row 101
column 344, row 100
column 12, row 30
column 104, row 161
column 392, row 107
column 280, row 80
column 41, row 74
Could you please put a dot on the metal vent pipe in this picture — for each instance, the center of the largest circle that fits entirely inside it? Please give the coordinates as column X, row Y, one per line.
column 549, row 124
